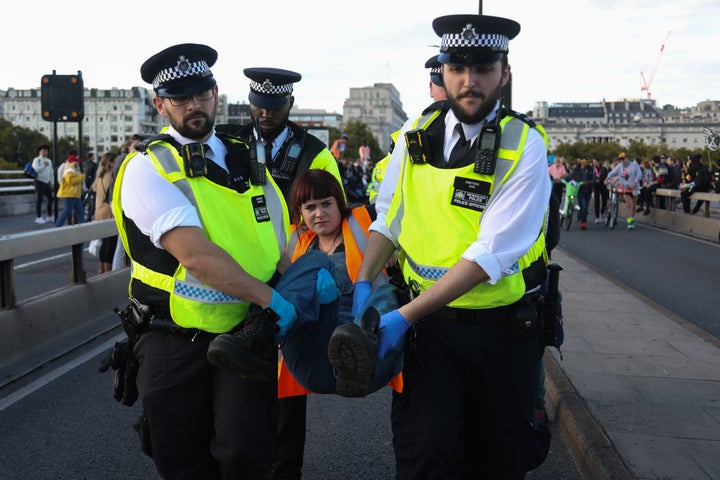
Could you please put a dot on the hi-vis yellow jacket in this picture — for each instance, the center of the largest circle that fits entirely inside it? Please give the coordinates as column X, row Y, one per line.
column 252, row 227
column 433, row 239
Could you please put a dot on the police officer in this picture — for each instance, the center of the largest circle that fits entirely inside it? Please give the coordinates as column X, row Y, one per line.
column 437, row 93
column 437, row 88
column 179, row 204
column 466, row 410
column 290, row 150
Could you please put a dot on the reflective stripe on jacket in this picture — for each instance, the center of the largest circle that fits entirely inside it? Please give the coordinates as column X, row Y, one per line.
column 225, row 215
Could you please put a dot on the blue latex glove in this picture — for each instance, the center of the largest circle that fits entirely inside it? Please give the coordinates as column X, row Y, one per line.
column 361, row 293
column 286, row 311
column 392, row 332
column 326, row 288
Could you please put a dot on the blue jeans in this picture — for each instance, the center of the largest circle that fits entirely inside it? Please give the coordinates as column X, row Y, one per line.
column 305, row 348
column 71, row 204
column 583, row 199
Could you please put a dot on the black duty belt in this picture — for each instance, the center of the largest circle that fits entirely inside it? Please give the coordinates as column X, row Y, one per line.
column 484, row 316
column 161, row 324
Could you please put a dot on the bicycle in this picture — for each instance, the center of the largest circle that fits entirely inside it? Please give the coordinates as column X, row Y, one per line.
column 611, row 213
column 88, row 198
column 569, row 205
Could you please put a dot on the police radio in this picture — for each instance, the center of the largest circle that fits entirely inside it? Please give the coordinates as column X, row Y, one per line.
column 486, row 153
column 258, row 174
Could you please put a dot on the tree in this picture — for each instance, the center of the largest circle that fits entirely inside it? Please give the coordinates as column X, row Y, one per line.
column 358, row 133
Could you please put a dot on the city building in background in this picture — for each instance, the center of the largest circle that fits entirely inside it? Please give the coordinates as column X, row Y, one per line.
column 627, row 120
column 110, row 116
column 379, row 107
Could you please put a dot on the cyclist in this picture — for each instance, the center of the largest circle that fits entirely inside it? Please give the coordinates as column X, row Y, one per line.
column 626, row 177
column 582, row 174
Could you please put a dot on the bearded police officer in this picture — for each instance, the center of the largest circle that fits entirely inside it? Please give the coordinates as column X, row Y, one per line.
column 469, row 225
column 179, row 204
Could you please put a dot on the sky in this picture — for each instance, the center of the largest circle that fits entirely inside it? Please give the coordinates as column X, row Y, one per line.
column 567, row 50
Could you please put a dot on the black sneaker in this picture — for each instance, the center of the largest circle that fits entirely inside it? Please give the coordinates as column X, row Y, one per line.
column 647, row 211
column 352, row 350
column 251, row 351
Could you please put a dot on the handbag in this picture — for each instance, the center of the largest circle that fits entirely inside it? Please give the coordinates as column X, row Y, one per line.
column 94, row 247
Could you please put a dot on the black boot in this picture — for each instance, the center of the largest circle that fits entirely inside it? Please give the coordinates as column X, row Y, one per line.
column 251, row 351
column 352, row 350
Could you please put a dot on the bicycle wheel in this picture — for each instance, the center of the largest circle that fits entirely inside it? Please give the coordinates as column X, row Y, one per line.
column 606, row 216
column 570, row 214
column 614, row 214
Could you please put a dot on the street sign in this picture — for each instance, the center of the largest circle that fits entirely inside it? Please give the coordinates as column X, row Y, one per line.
column 62, row 98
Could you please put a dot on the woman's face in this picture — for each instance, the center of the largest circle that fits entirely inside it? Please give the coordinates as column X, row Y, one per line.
column 322, row 216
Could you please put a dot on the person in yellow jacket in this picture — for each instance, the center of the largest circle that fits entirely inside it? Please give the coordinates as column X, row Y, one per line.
column 465, row 204
column 204, row 229
column 71, row 184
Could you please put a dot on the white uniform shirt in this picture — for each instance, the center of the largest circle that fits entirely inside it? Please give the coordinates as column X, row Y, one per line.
column 155, row 204
column 512, row 220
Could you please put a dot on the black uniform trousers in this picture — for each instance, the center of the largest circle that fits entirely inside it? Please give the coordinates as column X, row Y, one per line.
column 291, row 423
column 466, row 410
column 204, row 422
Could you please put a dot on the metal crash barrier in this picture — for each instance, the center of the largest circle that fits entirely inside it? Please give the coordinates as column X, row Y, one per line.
column 34, row 322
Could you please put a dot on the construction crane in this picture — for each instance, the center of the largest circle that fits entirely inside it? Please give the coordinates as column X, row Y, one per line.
column 645, row 87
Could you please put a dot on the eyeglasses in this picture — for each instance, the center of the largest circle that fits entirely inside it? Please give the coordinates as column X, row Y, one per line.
column 200, row 97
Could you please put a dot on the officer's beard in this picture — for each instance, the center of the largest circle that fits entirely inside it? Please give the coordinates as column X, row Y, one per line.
column 197, row 125
column 272, row 133
column 487, row 106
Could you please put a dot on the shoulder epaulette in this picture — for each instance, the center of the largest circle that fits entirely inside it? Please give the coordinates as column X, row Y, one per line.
column 142, row 146
column 520, row 116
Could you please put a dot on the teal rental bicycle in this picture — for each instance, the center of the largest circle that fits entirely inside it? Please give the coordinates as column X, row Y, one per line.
column 569, row 205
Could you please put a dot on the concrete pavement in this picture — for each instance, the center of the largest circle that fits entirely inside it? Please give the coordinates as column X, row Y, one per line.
column 637, row 394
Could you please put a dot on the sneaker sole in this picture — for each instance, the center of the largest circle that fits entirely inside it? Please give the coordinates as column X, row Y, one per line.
column 225, row 354
column 348, row 353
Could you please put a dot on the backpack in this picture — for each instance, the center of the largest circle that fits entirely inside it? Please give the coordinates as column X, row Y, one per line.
column 29, row 171
column 704, row 180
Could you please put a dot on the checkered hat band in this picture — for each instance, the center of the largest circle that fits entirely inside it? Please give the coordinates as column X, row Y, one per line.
column 494, row 41
column 436, row 71
column 267, row 88
column 175, row 73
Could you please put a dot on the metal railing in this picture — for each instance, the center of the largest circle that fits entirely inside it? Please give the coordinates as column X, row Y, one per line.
column 29, row 243
column 22, row 184
column 36, row 322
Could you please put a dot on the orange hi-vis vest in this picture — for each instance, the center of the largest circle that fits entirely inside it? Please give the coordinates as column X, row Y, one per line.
column 355, row 236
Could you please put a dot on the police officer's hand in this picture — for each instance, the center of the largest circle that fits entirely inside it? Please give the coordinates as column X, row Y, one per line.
column 286, row 311
column 325, row 288
column 392, row 332
column 361, row 293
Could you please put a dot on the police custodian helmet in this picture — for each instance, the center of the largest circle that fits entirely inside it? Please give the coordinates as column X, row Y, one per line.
column 181, row 70
column 473, row 39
